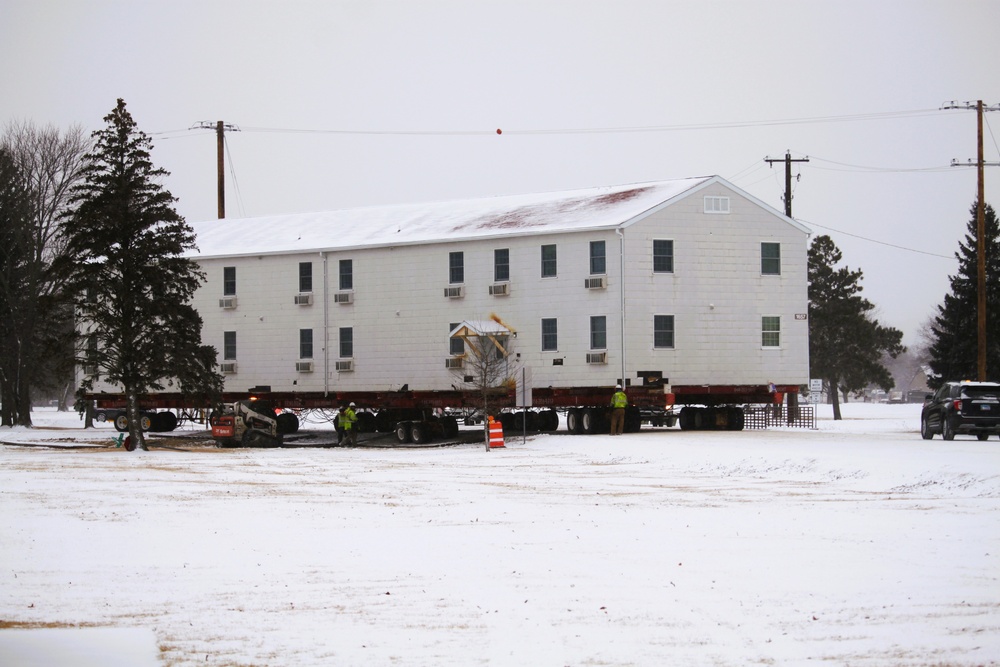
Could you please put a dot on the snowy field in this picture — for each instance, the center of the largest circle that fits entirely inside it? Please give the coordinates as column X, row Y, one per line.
column 856, row 544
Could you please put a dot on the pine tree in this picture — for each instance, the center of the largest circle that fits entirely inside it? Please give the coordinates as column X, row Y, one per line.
column 954, row 345
column 131, row 282
column 846, row 343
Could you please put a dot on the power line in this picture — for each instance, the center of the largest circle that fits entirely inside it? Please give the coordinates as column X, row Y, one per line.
column 870, row 240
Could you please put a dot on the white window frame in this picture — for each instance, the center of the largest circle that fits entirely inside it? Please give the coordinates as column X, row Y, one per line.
column 764, row 332
column 716, row 205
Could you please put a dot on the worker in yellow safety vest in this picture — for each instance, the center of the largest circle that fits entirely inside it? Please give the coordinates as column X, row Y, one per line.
column 619, row 401
column 349, row 420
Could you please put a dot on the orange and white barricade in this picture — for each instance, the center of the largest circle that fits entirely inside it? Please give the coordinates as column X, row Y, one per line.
column 495, row 434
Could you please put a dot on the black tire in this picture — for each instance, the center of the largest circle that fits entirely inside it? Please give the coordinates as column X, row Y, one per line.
column 590, row 421
column 550, row 420
column 288, row 422
column 685, row 418
column 574, row 421
column 121, row 422
column 983, row 436
column 366, row 422
column 101, row 416
column 145, row 422
column 385, row 422
column 170, row 421
column 633, row 420
column 157, row 422
column 420, row 433
column 947, row 432
column 925, row 430
column 450, row 426
column 403, row 434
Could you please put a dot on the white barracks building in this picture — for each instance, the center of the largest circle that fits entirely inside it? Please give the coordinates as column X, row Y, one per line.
column 692, row 278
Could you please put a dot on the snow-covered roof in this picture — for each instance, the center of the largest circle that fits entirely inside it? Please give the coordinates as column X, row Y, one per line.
column 377, row 226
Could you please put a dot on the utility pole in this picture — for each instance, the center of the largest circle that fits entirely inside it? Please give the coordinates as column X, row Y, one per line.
column 220, row 130
column 980, row 232
column 788, row 177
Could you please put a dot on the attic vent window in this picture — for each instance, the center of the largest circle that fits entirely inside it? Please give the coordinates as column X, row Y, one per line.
column 717, row 205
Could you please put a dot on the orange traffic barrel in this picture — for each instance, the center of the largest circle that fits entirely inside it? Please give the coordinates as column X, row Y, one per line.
column 496, row 434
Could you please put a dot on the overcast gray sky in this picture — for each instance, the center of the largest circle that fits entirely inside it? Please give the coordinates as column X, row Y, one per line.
column 344, row 104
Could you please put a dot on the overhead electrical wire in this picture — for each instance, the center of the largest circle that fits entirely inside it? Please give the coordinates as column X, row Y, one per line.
column 871, row 240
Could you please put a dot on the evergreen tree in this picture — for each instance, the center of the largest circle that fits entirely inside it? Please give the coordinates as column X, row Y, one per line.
column 846, row 343
column 954, row 340
column 131, row 283
column 15, row 253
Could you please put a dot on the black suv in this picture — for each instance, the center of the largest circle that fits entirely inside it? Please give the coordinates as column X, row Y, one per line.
column 962, row 407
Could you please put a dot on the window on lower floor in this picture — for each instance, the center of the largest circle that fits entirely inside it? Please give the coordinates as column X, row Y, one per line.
column 770, row 331
column 550, row 334
column 598, row 332
column 229, row 345
column 305, row 343
column 346, row 342
column 663, row 331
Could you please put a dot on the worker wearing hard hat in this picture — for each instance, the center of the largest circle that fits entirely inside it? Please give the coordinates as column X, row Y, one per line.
column 619, row 401
column 350, row 425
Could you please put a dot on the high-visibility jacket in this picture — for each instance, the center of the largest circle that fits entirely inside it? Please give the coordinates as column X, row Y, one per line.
column 619, row 400
column 348, row 419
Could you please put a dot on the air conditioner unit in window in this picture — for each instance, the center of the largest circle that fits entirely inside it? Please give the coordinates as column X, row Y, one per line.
column 597, row 357
column 303, row 299
column 454, row 292
column 500, row 289
column 228, row 302
column 304, row 366
column 597, row 282
column 345, row 366
column 454, row 362
column 228, row 367
column 343, row 297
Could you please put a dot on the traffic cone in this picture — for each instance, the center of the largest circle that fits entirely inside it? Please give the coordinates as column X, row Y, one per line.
column 496, row 434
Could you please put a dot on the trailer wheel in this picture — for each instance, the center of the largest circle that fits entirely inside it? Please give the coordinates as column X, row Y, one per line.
column 145, row 422
column 589, row 421
column 403, row 434
column 549, row 420
column 170, row 421
column 101, row 416
column 574, row 421
column 420, row 433
column 121, row 422
column 450, row 426
column 288, row 422
column 366, row 422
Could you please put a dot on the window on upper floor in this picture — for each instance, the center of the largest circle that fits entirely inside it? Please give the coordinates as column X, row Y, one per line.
column 305, row 277
column 346, row 274
column 228, row 281
column 501, row 265
column 663, row 256
column 456, row 268
column 770, row 259
column 716, row 204
column 549, row 261
column 598, row 258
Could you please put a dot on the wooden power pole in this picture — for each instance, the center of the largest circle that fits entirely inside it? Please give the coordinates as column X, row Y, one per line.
column 788, row 177
column 980, row 236
column 220, row 140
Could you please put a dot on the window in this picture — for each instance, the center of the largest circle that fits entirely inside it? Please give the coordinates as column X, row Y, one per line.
column 346, row 274
column 663, row 331
column 305, row 277
column 501, row 265
column 716, row 204
column 770, row 259
column 346, row 342
column 548, row 261
column 456, row 267
column 598, row 263
column 770, row 331
column 663, row 256
column 599, row 332
column 456, row 346
column 229, row 345
column 229, row 281
column 550, row 334
column 305, row 343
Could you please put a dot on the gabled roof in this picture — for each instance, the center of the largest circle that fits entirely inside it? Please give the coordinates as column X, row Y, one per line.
column 408, row 224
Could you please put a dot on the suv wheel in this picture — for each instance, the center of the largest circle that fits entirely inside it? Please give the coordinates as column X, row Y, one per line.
column 925, row 430
column 946, row 431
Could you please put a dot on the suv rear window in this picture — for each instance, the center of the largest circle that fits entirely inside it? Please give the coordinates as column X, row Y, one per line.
column 972, row 391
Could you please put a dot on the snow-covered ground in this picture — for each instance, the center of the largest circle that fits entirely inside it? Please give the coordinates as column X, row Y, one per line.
column 857, row 543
